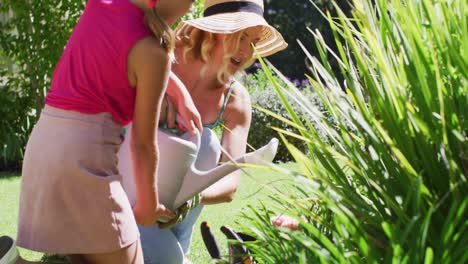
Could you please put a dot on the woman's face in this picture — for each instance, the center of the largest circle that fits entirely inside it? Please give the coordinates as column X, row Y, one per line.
column 249, row 37
column 172, row 10
column 244, row 52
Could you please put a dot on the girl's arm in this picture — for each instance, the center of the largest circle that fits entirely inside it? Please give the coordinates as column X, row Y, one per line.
column 148, row 68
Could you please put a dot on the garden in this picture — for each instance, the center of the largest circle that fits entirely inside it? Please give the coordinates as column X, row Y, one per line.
column 369, row 103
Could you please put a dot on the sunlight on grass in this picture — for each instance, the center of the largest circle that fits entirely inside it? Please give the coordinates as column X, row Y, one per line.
column 9, row 200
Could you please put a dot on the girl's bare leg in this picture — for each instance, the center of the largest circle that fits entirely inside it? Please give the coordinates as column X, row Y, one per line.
column 132, row 254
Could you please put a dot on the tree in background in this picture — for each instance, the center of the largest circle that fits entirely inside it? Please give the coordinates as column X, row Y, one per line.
column 292, row 18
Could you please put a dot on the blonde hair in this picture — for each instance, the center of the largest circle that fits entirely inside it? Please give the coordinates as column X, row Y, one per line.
column 160, row 29
column 198, row 44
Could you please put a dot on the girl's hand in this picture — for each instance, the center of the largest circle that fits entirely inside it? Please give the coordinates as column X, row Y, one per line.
column 181, row 212
column 147, row 215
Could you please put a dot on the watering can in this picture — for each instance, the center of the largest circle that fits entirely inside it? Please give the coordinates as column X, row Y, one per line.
column 179, row 179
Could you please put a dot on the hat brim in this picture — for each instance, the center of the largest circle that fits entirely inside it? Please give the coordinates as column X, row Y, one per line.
column 271, row 41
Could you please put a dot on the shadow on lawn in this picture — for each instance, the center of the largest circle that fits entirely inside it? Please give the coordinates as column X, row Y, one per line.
column 54, row 259
column 10, row 174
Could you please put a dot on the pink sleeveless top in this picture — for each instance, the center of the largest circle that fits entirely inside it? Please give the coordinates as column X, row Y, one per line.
column 91, row 76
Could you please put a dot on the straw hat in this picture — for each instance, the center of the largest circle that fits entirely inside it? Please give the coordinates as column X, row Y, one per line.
column 229, row 16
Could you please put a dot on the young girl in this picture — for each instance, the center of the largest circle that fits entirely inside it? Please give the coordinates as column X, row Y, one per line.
column 113, row 70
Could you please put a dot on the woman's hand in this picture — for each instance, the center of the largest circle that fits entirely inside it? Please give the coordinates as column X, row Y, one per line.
column 184, row 106
column 147, row 215
column 169, row 115
column 287, row 221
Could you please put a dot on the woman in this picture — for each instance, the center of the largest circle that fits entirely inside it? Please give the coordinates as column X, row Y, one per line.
column 209, row 51
column 113, row 70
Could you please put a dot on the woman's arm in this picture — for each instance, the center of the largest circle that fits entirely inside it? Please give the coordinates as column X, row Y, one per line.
column 237, row 119
column 148, row 68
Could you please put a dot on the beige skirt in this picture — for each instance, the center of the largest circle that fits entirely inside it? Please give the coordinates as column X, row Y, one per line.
column 71, row 199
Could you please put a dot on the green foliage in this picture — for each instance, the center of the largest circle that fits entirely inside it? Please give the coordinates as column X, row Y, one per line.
column 294, row 19
column 32, row 37
column 197, row 12
column 390, row 184
column 268, row 112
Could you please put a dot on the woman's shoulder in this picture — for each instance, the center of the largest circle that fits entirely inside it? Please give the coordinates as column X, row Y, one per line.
column 239, row 90
column 239, row 106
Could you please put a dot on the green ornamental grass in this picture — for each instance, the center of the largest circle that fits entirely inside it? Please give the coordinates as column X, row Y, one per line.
column 388, row 182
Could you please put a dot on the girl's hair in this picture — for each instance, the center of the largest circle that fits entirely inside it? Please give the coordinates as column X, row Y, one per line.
column 198, row 44
column 160, row 29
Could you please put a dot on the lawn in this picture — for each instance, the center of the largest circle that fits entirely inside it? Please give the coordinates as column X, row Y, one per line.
column 254, row 189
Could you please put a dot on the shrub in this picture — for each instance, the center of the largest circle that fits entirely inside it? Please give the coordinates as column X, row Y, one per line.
column 390, row 186
column 32, row 39
column 263, row 98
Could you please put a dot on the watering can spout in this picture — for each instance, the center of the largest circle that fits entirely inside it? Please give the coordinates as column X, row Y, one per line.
column 196, row 180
